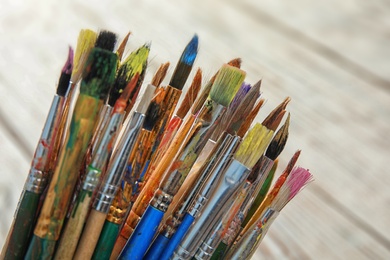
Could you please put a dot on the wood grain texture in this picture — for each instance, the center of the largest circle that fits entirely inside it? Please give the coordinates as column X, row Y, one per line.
column 331, row 57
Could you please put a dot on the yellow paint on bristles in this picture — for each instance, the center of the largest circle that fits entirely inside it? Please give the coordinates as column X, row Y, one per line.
column 253, row 146
column 137, row 60
column 226, row 84
column 85, row 43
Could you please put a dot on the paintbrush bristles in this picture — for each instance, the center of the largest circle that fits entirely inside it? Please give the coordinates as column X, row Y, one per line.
column 63, row 83
column 249, row 119
column 279, row 141
column 235, row 62
column 99, row 73
column 226, row 84
column 292, row 162
column 85, row 43
column 253, row 145
column 191, row 95
column 185, row 63
column 297, row 180
column 106, row 40
column 122, row 46
column 160, row 74
column 273, row 119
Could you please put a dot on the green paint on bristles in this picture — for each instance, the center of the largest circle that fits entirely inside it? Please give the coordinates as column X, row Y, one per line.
column 99, row 73
column 226, row 85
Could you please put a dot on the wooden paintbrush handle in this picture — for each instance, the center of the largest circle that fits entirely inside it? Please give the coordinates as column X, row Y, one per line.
column 90, row 235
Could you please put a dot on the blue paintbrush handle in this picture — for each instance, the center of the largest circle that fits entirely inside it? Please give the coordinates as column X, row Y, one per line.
column 143, row 234
column 157, row 248
column 177, row 237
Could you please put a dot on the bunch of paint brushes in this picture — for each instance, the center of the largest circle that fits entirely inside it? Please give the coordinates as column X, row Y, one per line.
column 118, row 174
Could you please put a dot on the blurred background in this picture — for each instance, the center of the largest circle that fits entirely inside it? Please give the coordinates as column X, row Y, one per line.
column 331, row 57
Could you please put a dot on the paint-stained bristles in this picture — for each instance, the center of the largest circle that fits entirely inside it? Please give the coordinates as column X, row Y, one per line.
column 244, row 109
column 85, row 43
column 279, row 141
column 226, row 84
column 63, row 83
column 272, row 121
column 160, row 74
column 191, row 95
column 249, row 119
column 297, row 180
column 135, row 63
column 122, row 46
column 253, row 145
column 184, row 65
column 235, row 62
column 106, row 40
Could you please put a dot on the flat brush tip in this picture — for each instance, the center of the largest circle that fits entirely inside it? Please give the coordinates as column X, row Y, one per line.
column 226, row 84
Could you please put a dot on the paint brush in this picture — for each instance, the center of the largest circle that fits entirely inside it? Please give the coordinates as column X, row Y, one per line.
column 39, row 175
column 157, row 173
column 73, row 228
column 111, row 180
column 85, row 43
column 225, row 86
column 274, row 191
column 248, row 243
column 173, row 90
column 249, row 119
column 215, row 196
column 176, row 121
column 235, row 220
column 98, row 76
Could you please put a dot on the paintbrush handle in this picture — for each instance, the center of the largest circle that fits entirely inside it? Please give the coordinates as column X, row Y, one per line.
column 106, row 241
column 245, row 246
column 143, row 234
column 21, row 229
column 156, row 249
column 74, row 226
column 212, row 207
column 147, row 193
column 90, row 235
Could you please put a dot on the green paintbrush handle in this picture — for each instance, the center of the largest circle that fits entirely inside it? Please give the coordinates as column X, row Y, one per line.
column 106, row 240
column 21, row 229
column 40, row 248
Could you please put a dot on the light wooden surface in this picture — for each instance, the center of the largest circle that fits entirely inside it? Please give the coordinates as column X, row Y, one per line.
column 332, row 57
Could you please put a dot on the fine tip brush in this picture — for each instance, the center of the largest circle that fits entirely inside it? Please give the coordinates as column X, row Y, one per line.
column 40, row 171
column 245, row 247
column 215, row 196
column 122, row 46
column 226, row 84
column 98, row 76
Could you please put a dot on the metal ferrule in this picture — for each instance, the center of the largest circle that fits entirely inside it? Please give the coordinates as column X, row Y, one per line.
column 246, row 246
column 102, row 153
column 217, row 196
column 161, row 200
column 208, row 247
column 105, row 115
column 250, row 190
column 217, row 175
column 116, row 167
column 38, row 175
